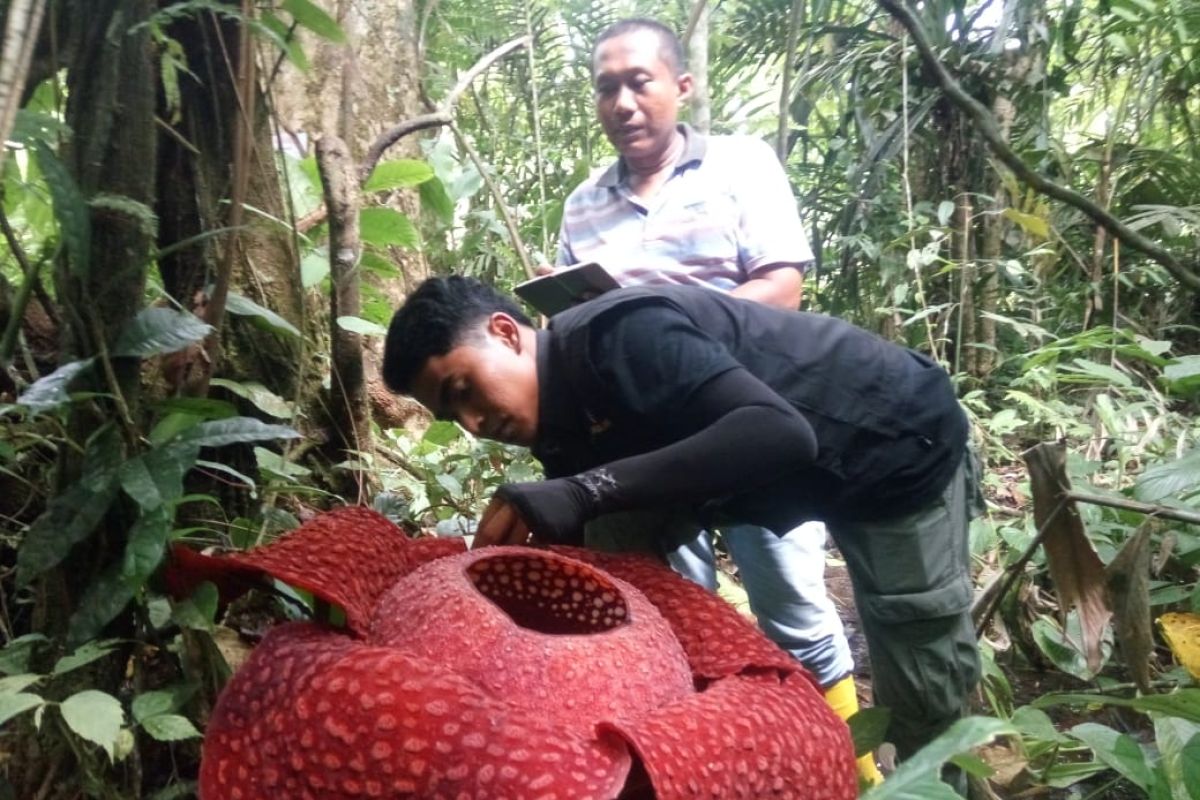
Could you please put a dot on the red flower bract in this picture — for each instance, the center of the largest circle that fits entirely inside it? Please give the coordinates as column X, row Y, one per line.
column 507, row 673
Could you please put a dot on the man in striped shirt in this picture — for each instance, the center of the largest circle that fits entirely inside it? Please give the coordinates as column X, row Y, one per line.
column 681, row 208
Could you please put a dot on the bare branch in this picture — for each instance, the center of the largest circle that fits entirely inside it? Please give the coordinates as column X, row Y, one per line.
column 991, row 133
column 443, row 114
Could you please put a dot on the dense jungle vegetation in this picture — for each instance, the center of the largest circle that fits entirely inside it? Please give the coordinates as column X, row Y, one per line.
column 211, row 208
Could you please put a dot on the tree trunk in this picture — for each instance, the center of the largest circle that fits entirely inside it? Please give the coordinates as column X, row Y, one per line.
column 697, row 54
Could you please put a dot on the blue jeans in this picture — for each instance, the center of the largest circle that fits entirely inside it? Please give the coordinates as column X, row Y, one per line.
column 784, row 577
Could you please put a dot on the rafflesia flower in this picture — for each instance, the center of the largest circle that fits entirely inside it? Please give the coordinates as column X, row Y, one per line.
column 507, row 673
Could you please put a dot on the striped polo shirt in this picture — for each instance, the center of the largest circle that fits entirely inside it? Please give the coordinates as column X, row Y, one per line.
column 726, row 212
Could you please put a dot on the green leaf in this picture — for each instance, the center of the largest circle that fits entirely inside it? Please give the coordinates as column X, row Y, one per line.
column 1177, row 743
column 13, row 704
column 170, row 728
column 145, row 547
column 436, row 200
column 199, row 611
column 70, row 517
column 1181, row 703
column 1117, row 750
column 160, row 330
column 1183, row 375
column 49, row 392
column 234, row 431
column 945, row 211
column 277, row 465
column 94, row 716
column 102, row 602
column 15, row 656
column 86, row 654
column 1189, row 764
column 313, row 17
column 102, row 458
column 18, row 683
column 161, row 701
column 262, row 317
column 231, row 472
column 381, row 227
column 398, row 174
column 1091, row 372
column 1059, row 649
column 361, row 326
column 1177, row 478
column 1031, row 223
column 155, row 478
column 442, row 433
column 286, row 41
column 74, row 216
column 263, row 398
column 917, row 778
column 314, row 267
column 868, row 728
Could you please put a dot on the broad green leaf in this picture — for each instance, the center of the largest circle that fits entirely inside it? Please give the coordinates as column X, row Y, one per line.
column 1031, row 223
column 94, row 716
column 102, row 458
column 1173, row 479
column 451, row 484
column 50, row 391
column 277, row 465
column 161, row 701
column 71, row 210
column 160, row 330
column 15, row 656
column 219, row 433
column 199, row 611
column 69, row 518
column 13, row 704
column 1177, row 742
column 917, row 778
column 263, row 398
column 102, row 601
column 361, row 326
column 381, row 227
column 1117, row 750
column 1059, row 649
column 86, row 654
column 170, row 728
column 283, row 37
column 316, row 19
column 442, row 433
column 1183, row 375
column 436, row 201
column 398, row 174
column 231, row 472
column 1181, row 703
column 262, row 317
column 145, row 547
column 14, row 684
column 202, row 407
column 868, row 728
column 155, row 478
column 314, row 267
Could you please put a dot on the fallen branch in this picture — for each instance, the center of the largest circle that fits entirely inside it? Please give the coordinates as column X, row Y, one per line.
column 991, row 133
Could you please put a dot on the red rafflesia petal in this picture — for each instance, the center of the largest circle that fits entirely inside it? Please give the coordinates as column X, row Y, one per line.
column 746, row 736
column 559, row 634
column 349, row 557
column 717, row 639
column 314, row 714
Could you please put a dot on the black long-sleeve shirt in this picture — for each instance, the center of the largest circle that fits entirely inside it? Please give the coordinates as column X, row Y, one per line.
column 767, row 416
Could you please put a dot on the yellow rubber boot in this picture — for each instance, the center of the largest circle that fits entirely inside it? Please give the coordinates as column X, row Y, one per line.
column 842, row 697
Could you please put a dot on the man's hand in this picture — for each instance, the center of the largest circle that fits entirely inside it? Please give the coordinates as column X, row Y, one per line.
column 552, row 511
column 501, row 524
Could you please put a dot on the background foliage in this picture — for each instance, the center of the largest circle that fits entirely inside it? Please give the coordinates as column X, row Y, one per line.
column 126, row 430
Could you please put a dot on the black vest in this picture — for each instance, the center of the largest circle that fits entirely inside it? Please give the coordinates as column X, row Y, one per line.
column 889, row 428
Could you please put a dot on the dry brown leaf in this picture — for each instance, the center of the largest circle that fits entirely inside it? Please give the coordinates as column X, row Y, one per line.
column 1129, row 593
column 1075, row 568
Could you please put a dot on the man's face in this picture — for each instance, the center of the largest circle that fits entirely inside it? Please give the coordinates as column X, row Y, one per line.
column 637, row 96
column 488, row 384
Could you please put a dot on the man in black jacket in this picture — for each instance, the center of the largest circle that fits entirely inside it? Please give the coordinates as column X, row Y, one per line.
column 738, row 412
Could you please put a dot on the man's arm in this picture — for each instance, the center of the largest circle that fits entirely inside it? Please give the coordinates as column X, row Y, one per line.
column 777, row 285
column 755, row 439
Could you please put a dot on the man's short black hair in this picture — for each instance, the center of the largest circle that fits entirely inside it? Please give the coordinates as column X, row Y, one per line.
column 440, row 315
column 670, row 49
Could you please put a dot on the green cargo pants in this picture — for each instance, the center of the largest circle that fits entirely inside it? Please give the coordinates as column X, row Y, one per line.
column 912, row 586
